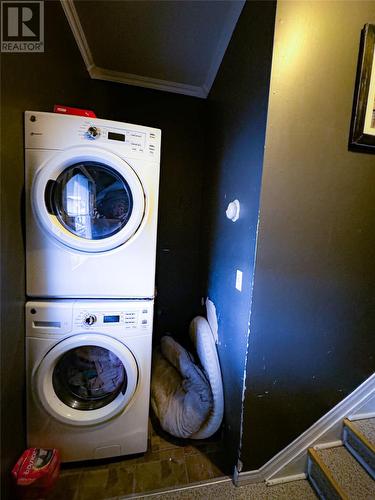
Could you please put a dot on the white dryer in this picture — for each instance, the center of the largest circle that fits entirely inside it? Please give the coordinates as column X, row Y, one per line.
column 91, row 207
column 88, row 377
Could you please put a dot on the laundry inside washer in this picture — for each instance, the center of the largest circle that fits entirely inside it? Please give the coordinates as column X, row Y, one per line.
column 88, row 377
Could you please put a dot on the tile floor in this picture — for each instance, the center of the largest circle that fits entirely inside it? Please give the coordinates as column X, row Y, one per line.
column 168, row 462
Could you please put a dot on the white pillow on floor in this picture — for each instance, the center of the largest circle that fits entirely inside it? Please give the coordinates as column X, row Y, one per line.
column 181, row 396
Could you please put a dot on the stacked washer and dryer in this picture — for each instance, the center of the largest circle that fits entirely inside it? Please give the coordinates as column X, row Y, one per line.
column 91, row 223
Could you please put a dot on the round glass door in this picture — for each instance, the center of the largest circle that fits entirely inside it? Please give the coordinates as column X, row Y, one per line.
column 89, row 377
column 88, row 199
column 91, row 200
column 86, row 379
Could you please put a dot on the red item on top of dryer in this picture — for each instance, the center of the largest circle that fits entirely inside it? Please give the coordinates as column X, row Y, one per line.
column 35, row 472
column 67, row 110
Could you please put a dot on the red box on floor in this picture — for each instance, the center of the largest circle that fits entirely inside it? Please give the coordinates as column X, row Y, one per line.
column 35, row 472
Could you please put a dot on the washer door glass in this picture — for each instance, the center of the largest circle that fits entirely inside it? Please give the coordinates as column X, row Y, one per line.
column 89, row 377
column 90, row 199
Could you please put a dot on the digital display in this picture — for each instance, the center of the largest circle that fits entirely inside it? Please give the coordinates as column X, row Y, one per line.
column 116, row 137
column 111, row 319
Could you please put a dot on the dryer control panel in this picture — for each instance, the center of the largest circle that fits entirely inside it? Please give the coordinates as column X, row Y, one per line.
column 133, row 140
column 144, row 143
column 57, row 131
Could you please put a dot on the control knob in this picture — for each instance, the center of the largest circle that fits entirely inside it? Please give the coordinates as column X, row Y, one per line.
column 93, row 132
column 90, row 319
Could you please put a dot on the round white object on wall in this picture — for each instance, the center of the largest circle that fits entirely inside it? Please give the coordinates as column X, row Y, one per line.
column 233, row 210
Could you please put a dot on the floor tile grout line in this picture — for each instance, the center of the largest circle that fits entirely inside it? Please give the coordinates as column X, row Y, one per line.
column 186, row 469
column 77, row 492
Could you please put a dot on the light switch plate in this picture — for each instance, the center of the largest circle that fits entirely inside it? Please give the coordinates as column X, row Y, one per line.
column 239, row 280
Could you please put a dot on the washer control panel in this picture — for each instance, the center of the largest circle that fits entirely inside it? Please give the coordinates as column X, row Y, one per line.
column 65, row 317
column 129, row 319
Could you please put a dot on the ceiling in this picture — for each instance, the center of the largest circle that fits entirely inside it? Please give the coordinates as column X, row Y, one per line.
column 175, row 46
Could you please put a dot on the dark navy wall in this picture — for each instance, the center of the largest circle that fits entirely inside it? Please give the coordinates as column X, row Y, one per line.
column 37, row 82
column 28, row 81
column 238, row 107
column 313, row 316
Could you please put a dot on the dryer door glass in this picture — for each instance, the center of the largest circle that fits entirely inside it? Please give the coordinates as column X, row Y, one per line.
column 89, row 377
column 90, row 199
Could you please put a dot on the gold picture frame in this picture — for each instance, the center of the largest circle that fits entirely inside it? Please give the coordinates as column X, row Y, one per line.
column 362, row 132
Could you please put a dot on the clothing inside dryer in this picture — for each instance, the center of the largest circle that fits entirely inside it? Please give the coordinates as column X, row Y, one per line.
column 91, row 200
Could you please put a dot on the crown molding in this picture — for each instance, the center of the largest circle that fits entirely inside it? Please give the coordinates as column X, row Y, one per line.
column 147, row 82
column 99, row 73
column 78, row 33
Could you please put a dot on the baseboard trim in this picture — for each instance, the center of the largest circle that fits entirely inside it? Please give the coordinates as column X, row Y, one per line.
column 361, row 416
column 286, row 479
column 291, row 461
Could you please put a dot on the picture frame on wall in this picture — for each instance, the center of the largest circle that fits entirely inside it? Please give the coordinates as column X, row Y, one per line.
column 362, row 132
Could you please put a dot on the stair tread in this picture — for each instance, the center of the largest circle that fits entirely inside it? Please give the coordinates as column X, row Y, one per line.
column 345, row 469
column 367, row 428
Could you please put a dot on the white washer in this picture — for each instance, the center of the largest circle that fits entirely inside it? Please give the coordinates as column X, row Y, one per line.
column 88, row 376
column 91, row 207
